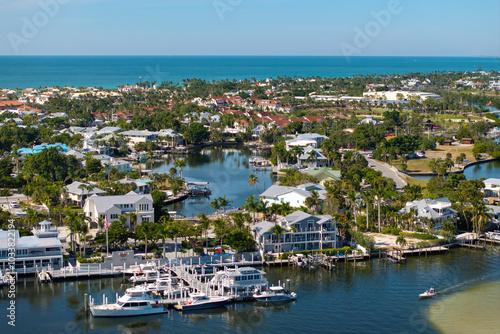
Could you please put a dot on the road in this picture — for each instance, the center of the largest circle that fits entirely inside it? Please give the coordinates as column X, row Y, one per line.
column 387, row 171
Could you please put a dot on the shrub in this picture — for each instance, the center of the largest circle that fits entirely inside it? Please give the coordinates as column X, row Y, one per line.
column 82, row 259
column 422, row 236
column 390, row 230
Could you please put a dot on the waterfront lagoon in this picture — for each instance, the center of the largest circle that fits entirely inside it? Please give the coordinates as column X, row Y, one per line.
column 226, row 169
column 367, row 297
column 474, row 172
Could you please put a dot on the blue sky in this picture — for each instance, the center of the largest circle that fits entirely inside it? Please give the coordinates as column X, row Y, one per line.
column 250, row 27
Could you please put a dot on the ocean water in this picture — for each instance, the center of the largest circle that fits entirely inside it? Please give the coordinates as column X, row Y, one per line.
column 112, row 71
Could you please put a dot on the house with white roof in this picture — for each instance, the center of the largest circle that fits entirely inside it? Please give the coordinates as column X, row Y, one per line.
column 303, row 231
column 370, row 120
column 306, row 139
column 492, row 189
column 113, row 207
column 140, row 136
column 108, row 130
column 41, row 249
column 428, row 209
column 295, row 196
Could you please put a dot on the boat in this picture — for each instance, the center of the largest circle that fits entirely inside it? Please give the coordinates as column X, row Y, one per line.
column 240, row 279
column 147, row 277
column 275, row 294
column 141, row 268
column 161, row 284
column 44, row 276
column 428, row 294
column 132, row 303
column 6, row 278
column 199, row 301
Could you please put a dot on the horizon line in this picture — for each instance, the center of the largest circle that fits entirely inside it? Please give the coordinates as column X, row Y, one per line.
column 372, row 56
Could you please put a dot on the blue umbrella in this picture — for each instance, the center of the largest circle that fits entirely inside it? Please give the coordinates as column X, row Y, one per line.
column 227, row 254
column 205, row 255
column 216, row 254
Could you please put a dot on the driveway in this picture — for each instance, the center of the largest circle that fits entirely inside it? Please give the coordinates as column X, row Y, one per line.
column 387, row 171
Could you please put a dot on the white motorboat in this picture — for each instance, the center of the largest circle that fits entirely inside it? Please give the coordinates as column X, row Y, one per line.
column 160, row 285
column 141, row 269
column 275, row 294
column 133, row 303
column 428, row 293
column 199, row 301
column 148, row 277
column 44, row 276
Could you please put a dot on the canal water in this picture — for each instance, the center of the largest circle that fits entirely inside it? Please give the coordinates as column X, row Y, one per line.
column 226, row 170
column 475, row 172
column 367, row 297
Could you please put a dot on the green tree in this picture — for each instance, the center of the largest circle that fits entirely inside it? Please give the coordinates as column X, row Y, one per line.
column 278, row 231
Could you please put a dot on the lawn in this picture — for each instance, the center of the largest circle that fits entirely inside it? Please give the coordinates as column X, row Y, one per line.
column 421, row 165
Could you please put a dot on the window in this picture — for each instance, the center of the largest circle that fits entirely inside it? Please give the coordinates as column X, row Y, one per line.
column 145, row 219
column 114, row 216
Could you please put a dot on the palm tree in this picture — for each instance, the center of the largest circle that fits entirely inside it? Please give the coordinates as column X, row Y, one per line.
column 151, row 159
column 180, row 163
column 224, row 202
column 71, row 221
column 205, row 223
column 251, row 205
column 133, row 218
column 107, row 169
column 401, row 241
column 297, row 151
column 480, row 217
column 238, row 221
column 174, row 231
column 252, row 181
column 312, row 201
column 162, row 229
column 221, row 229
column 146, row 229
column 278, row 232
column 215, row 205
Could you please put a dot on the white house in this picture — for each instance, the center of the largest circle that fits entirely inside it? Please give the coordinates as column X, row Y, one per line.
column 492, row 188
column 438, row 210
column 295, row 196
column 41, row 249
column 401, row 95
column 140, row 136
column 303, row 231
column 115, row 206
column 306, row 139
column 369, row 120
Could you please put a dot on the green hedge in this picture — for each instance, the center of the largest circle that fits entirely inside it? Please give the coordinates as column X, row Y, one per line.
column 391, row 230
column 422, row 236
column 330, row 251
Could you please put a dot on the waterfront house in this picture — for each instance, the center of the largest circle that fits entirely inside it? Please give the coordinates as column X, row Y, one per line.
column 492, row 189
column 43, row 248
column 313, row 157
column 303, row 231
column 258, row 130
column 141, row 186
column 114, row 206
column 139, row 136
column 295, row 196
column 428, row 209
column 77, row 192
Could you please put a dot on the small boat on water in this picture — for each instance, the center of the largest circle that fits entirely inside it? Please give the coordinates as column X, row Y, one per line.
column 44, row 276
column 6, row 278
column 148, row 277
column 428, row 294
column 199, row 301
column 133, row 303
column 275, row 294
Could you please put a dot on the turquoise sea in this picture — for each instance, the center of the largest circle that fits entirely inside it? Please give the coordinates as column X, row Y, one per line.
column 112, row 71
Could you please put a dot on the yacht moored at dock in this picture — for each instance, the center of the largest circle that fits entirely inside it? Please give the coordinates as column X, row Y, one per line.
column 199, row 301
column 133, row 303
